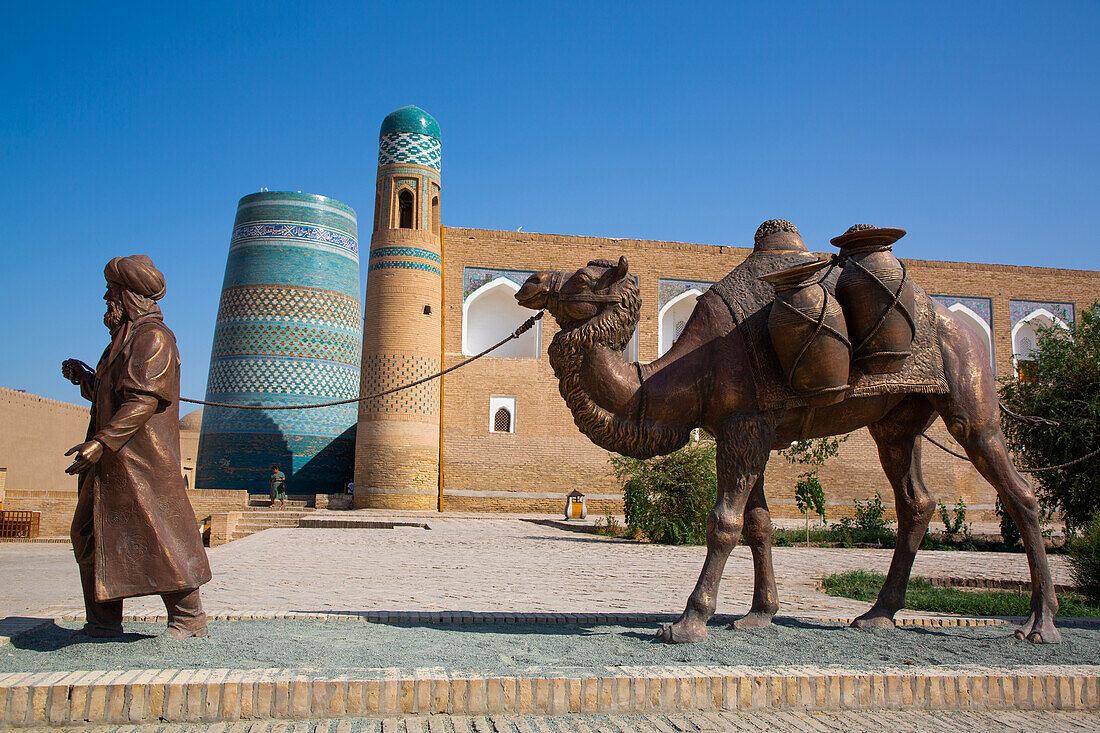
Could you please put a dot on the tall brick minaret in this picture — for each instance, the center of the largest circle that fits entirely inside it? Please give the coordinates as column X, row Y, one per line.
column 397, row 438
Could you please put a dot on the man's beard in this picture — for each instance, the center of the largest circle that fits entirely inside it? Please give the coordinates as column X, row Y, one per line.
column 114, row 316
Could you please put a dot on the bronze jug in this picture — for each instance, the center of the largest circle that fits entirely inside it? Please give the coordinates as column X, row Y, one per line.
column 807, row 328
column 878, row 298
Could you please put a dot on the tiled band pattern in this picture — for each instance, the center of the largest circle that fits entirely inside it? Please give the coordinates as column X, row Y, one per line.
column 398, row 148
column 288, row 333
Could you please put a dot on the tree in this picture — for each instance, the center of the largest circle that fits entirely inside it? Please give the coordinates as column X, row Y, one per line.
column 667, row 498
column 808, row 492
column 1061, row 382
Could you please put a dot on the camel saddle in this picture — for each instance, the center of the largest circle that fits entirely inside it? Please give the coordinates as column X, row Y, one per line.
column 749, row 300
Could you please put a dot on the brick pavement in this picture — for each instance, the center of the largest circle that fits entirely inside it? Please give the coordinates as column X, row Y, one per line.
column 484, row 565
column 824, row 722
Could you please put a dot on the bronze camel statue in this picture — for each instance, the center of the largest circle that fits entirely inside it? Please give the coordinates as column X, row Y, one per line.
column 704, row 380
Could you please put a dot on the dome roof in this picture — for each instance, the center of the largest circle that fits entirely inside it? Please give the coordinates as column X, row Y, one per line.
column 192, row 421
column 410, row 119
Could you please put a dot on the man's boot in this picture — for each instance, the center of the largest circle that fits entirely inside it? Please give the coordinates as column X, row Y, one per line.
column 185, row 614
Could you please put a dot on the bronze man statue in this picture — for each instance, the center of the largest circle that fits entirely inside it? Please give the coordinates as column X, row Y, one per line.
column 134, row 532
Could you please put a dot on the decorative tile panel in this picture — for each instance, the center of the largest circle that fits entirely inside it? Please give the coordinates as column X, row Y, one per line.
column 1020, row 309
column 668, row 288
column 409, row 147
column 404, row 266
column 284, row 304
column 474, row 277
column 982, row 306
column 426, row 254
column 295, row 233
column 259, row 376
column 385, row 371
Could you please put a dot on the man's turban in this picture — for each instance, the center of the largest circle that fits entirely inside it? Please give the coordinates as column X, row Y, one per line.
column 136, row 273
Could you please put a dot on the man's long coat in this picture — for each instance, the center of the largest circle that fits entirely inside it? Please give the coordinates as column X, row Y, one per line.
column 142, row 537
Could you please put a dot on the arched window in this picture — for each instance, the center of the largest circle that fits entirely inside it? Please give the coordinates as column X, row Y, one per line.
column 435, row 214
column 673, row 317
column 377, row 209
column 502, row 414
column 405, row 209
column 979, row 326
column 1025, row 337
column 490, row 313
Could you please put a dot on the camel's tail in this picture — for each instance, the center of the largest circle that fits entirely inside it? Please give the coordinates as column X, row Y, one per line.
column 1032, row 420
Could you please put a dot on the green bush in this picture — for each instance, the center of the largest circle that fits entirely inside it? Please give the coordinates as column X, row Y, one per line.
column 1084, row 558
column 953, row 525
column 666, row 499
column 1060, row 382
column 871, row 517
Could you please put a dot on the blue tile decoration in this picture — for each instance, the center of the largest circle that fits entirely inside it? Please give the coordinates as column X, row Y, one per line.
column 474, row 277
column 410, row 119
column 982, row 306
column 402, row 148
column 382, row 372
column 1020, row 309
column 404, row 266
column 293, row 232
column 669, row 288
column 426, row 254
column 289, row 331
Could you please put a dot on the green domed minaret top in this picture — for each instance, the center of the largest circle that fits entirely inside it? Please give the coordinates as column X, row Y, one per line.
column 410, row 119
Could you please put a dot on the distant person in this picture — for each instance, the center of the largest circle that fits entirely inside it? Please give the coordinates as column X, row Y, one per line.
column 278, row 485
column 134, row 532
column 349, row 489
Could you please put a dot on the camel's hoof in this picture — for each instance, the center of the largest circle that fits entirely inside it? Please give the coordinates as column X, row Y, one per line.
column 1039, row 635
column 870, row 623
column 681, row 633
column 753, row 620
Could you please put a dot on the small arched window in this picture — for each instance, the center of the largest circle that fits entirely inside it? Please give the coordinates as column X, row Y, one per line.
column 405, row 209
column 435, row 214
column 502, row 414
column 377, row 209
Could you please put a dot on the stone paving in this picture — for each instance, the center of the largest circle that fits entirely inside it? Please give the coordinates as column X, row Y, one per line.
column 824, row 722
column 480, row 565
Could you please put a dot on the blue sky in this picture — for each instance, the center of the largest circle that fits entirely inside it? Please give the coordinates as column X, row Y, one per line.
column 136, row 128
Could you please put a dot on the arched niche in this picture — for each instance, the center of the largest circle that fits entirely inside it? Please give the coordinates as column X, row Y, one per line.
column 979, row 326
column 490, row 313
column 673, row 317
column 1025, row 334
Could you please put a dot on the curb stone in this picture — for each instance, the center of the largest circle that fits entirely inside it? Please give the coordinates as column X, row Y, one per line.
column 210, row 696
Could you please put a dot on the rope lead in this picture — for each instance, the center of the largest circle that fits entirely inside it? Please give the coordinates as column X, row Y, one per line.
column 523, row 328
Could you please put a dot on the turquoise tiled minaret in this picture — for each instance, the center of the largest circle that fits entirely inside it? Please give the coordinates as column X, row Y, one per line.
column 288, row 332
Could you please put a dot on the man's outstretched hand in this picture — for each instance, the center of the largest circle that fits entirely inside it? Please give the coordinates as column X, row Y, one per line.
column 74, row 370
column 87, row 455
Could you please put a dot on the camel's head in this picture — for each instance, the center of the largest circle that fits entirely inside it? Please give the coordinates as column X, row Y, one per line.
column 579, row 296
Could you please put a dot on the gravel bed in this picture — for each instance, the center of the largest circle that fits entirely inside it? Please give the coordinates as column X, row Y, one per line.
column 332, row 646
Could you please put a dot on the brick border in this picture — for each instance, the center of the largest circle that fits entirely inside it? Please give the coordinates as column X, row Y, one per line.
column 215, row 695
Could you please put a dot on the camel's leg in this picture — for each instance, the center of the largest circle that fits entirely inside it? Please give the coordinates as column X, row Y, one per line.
column 743, row 446
column 757, row 534
column 980, row 435
column 898, row 439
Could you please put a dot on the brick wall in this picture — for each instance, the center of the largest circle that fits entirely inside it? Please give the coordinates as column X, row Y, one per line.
column 534, row 468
